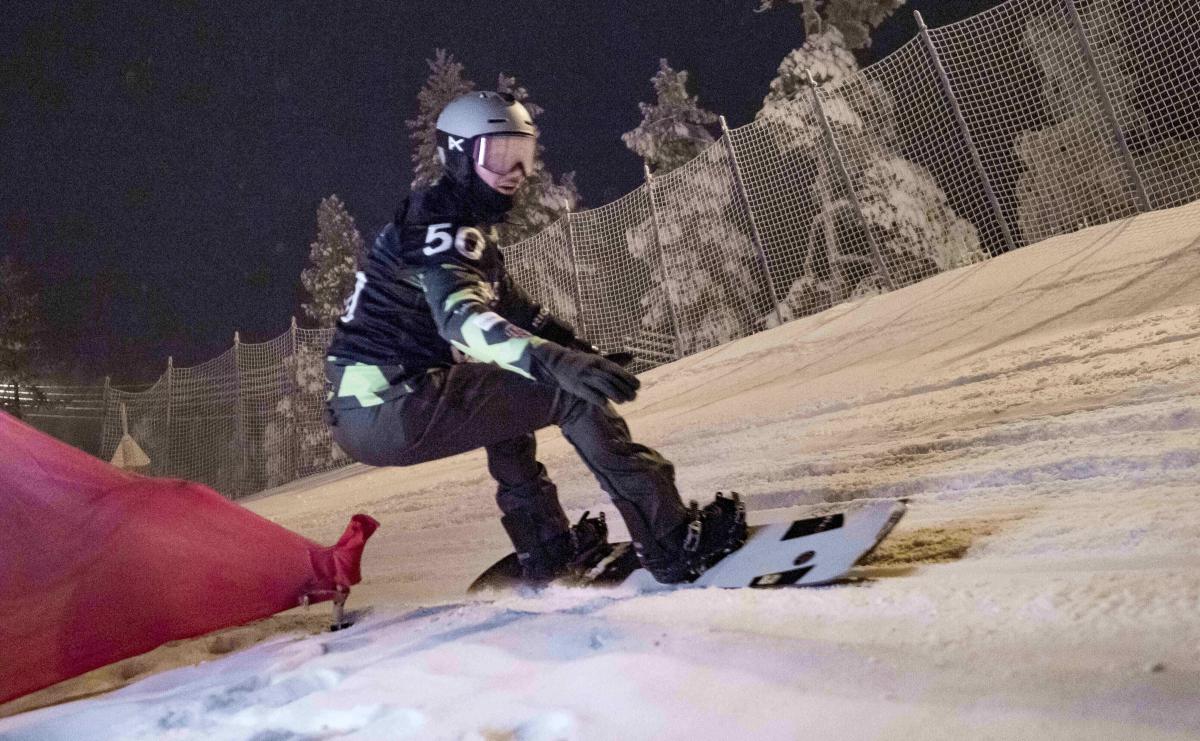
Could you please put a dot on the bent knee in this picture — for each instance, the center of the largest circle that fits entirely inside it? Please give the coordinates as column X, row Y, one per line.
column 366, row 443
column 374, row 455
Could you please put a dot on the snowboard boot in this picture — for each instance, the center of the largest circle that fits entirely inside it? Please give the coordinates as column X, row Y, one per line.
column 570, row 553
column 709, row 534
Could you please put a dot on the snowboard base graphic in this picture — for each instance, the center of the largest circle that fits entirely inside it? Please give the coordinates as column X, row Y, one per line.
column 797, row 553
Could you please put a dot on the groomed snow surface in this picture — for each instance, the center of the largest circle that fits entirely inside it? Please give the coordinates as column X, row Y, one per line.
column 1040, row 411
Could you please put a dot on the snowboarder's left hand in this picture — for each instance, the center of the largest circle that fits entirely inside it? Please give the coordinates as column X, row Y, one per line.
column 620, row 357
column 588, row 376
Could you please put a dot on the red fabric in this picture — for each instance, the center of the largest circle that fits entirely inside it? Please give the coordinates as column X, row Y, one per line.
column 97, row 564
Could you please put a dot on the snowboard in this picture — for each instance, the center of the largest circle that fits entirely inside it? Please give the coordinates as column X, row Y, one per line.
column 796, row 553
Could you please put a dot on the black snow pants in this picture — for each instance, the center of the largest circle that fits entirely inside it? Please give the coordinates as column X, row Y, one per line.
column 471, row 405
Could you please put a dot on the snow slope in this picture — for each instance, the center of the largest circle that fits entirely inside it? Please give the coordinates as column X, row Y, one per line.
column 1042, row 413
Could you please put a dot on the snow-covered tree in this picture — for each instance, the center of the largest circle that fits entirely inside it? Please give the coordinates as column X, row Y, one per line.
column 712, row 279
column 1068, row 180
column 20, row 330
column 297, row 441
column 910, row 219
column 788, row 103
column 444, row 84
column 329, row 280
column 675, row 128
column 541, row 200
column 854, row 19
column 542, row 266
column 332, row 261
column 1072, row 175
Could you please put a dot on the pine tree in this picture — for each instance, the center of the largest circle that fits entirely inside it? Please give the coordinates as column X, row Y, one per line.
column 854, row 19
column 673, row 129
column 333, row 259
column 825, row 55
column 831, row 64
column 541, row 200
column 910, row 220
column 295, row 446
column 1071, row 175
column 444, row 84
column 20, row 339
column 707, row 266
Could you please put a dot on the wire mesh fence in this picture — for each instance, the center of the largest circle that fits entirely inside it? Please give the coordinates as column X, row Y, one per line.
column 1020, row 73
column 1148, row 55
column 621, row 274
column 544, row 266
column 1032, row 119
column 73, row 414
column 713, row 279
column 247, row 420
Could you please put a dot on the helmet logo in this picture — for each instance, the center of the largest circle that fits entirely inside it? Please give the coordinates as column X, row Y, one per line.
column 455, row 145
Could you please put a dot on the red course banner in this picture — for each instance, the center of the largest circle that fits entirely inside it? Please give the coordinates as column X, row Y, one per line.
column 98, row 564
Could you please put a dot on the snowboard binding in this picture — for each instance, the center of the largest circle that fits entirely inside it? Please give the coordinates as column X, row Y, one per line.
column 569, row 555
column 710, row 533
column 589, row 541
column 715, row 531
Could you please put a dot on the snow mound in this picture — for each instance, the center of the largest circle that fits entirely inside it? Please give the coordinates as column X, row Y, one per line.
column 1040, row 410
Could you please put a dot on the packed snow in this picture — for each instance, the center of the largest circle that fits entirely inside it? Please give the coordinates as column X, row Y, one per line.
column 1041, row 413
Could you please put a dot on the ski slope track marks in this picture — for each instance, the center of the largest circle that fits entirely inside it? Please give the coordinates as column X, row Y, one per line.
column 1040, row 412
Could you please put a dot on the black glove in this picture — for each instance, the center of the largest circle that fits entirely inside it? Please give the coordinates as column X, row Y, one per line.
column 590, row 377
column 621, row 358
column 552, row 328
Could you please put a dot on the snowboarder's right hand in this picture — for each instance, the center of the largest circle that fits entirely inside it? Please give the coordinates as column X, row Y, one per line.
column 590, row 377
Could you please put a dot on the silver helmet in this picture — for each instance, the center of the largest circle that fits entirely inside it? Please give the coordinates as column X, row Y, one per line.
column 487, row 112
column 470, row 129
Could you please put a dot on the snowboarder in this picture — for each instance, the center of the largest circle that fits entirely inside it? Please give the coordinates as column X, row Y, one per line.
column 433, row 293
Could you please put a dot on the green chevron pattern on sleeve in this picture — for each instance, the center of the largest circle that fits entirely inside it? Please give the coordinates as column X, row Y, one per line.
column 471, row 293
column 363, row 382
column 463, row 303
column 488, row 337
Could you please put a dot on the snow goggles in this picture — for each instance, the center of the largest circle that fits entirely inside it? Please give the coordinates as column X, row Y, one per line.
column 501, row 153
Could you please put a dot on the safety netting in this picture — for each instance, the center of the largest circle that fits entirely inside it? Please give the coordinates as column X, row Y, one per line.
column 1032, row 119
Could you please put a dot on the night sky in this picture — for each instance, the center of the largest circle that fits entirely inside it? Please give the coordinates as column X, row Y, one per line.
column 163, row 161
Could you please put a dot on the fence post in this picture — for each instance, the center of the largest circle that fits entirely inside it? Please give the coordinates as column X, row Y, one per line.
column 755, row 236
column 579, row 318
column 107, row 394
column 241, row 417
column 169, row 462
column 294, row 382
column 840, row 165
column 1106, row 104
column 662, row 262
column 961, row 122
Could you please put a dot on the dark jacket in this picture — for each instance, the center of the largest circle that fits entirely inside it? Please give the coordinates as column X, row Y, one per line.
column 434, row 279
